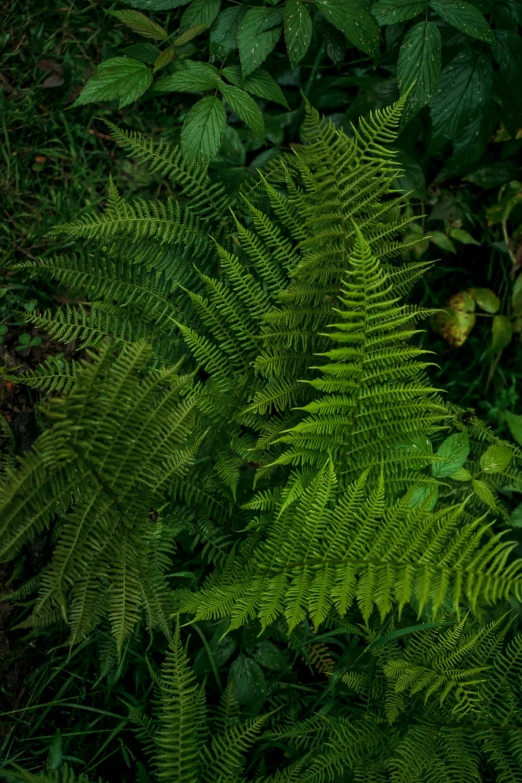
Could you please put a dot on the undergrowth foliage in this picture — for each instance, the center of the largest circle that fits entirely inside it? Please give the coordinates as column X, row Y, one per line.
column 259, row 395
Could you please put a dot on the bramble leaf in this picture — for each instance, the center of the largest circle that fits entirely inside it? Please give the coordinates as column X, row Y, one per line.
column 352, row 20
column 141, row 24
column 464, row 17
column 298, row 31
column 119, row 77
column 189, row 76
column 419, row 65
column 200, row 12
column 203, row 128
column 255, row 42
column 224, row 31
column 462, row 92
column 259, row 83
column 394, row 11
column 245, row 107
column 496, row 459
column 454, row 450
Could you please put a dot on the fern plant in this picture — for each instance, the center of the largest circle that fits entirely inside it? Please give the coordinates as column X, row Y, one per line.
column 303, row 462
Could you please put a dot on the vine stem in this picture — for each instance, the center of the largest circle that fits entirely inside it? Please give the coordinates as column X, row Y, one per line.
column 315, row 68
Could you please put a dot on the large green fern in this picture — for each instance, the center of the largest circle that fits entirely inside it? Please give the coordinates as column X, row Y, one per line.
column 303, row 461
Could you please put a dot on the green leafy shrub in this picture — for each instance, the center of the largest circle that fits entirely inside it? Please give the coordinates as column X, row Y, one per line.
column 303, row 457
column 462, row 58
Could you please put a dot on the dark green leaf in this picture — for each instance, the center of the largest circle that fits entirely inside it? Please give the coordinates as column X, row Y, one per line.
column 464, row 17
column 514, row 423
column 419, row 65
column 259, row 83
column 271, row 657
column 352, row 20
column 203, row 128
column 146, row 52
column 120, row 77
column 200, row 12
column 463, row 89
column 189, row 34
column 189, row 76
column 245, row 107
column 248, row 679
column 412, row 177
column 298, row 31
column 255, row 46
column 223, row 35
column 393, row 11
column 507, row 50
column 55, row 754
column 164, row 58
column 156, row 5
column 454, row 450
column 501, row 334
column 141, row 24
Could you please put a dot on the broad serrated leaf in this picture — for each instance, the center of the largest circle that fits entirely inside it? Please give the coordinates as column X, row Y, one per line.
column 189, row 34
column 394, row 11
column 164, row 58
column 514, row 423
column 271, row 657
column 298, row 31
column 224, row 32
column 507, row 50
column 484, row 492
column 248, row 680
column 496, row 459
column 454, row 451
column 119, row 77
column 189, row 76
column 141, row 24
column 259, row 83
column 203, row 129
column 200, row 12
column 464, row 17
column 156, row 5
column 146, row 52
column 427, row 495
column 245, row 107
column 419, row 66
column 255, row 44
column 462, row 475
column 463, row 88
column 354, row 21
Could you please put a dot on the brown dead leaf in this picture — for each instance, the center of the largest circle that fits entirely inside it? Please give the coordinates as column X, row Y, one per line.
column 40, row 159
column 54, row 80
column 48, row 66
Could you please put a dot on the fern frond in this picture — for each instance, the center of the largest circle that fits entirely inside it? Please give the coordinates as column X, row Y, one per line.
column 334, row 548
